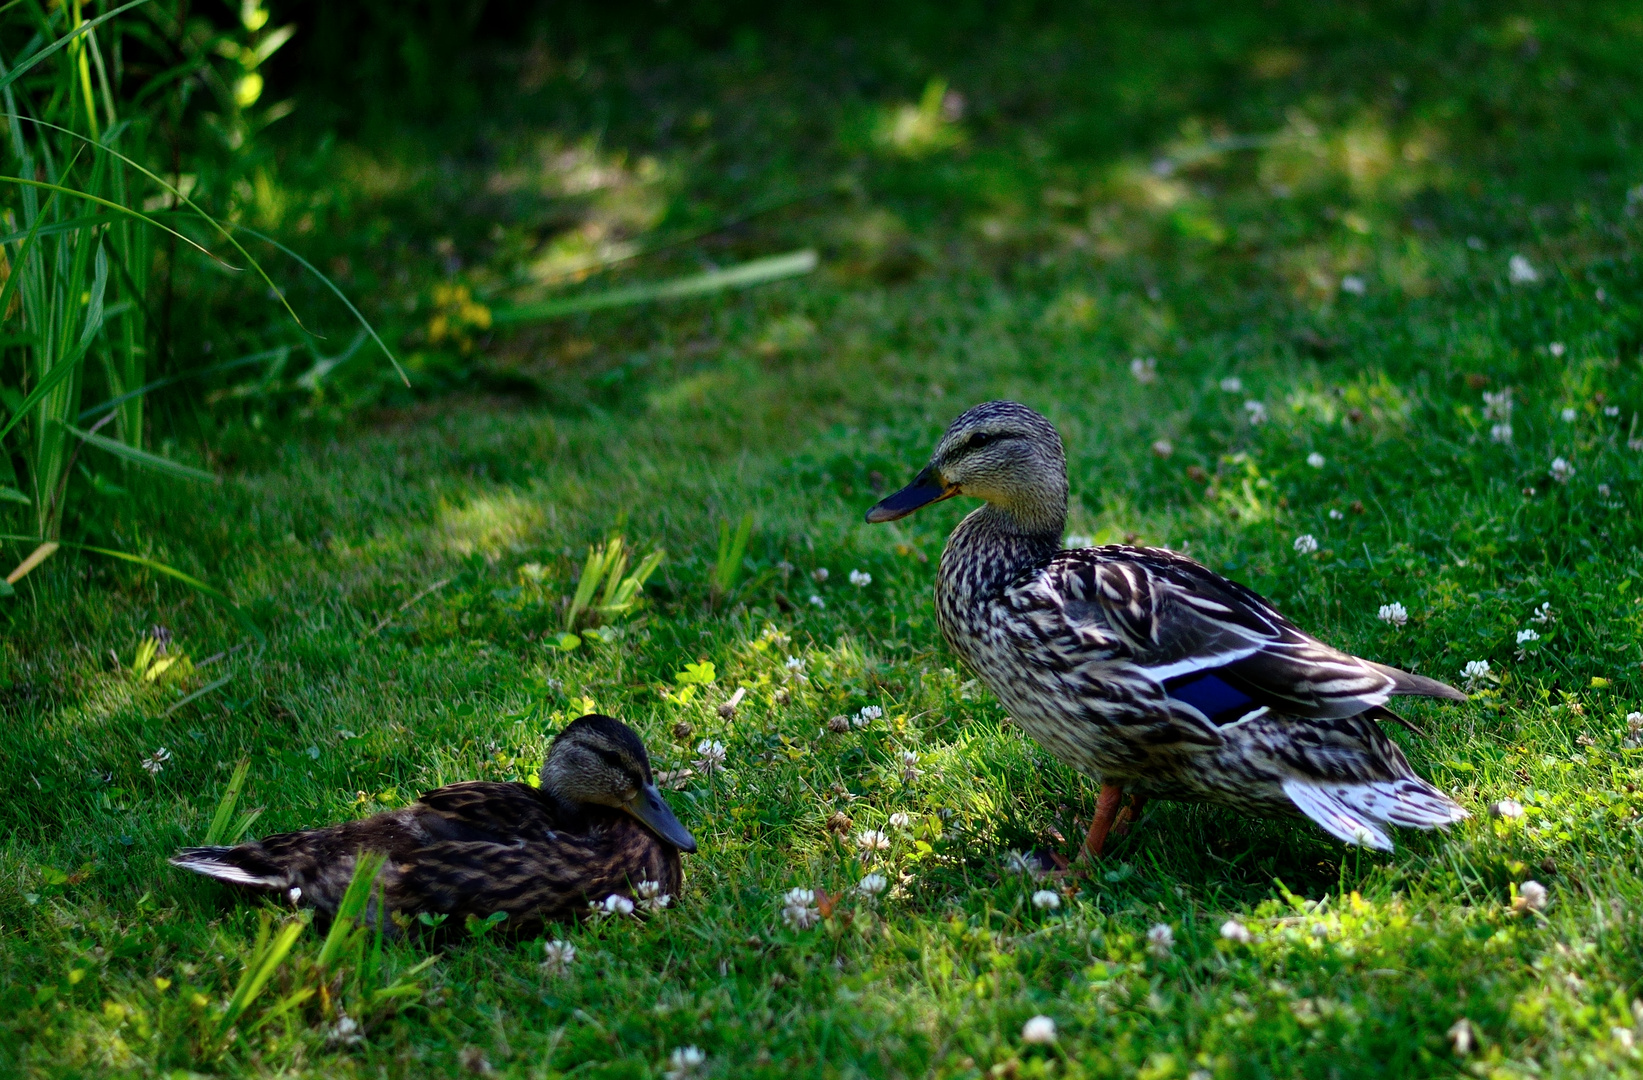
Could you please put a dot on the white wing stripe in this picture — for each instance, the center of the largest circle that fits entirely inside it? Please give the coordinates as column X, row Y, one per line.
column 1198, row 663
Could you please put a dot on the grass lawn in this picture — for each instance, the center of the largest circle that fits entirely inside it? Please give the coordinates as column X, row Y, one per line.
column 1364, row 274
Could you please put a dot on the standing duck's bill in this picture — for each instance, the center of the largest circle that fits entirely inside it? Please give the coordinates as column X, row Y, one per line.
column 1147, row 671
column 597, row 826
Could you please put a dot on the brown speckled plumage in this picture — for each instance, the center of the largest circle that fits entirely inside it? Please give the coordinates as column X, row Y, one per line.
column 1145, row 670
column 476, row 848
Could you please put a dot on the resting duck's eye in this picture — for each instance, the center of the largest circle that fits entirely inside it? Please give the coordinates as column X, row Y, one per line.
column 609, row 758
column 979, row 439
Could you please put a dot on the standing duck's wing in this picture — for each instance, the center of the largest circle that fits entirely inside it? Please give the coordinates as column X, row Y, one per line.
column 1217, row 647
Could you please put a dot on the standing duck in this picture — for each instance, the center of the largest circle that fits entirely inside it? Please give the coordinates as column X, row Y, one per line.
column 597, row 826
column 1146, row 671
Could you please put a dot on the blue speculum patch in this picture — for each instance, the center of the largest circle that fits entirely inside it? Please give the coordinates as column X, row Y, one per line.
column 1211, row 695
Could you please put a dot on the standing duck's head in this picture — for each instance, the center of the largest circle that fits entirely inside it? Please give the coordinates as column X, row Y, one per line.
column 1003, row 453
column 599, row 760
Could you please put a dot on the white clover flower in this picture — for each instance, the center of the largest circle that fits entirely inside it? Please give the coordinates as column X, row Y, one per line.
column 909, row 766
column 1046, row 899
column 1527, row 635
column 1393, row 613
column 1039, row 1031
column 1497, row 406
column 1475, row 672
column 1561, row 470
column 345, row 1032
column 1506, row 808
column 1336, row 515
column 1611, row 410
column 1232, row 384
column 1520, row 271
column 1163, row 448
column 1233, row 930
column 557, row 956
column 816, row 601
column 293, row 894
column 1556, row 349
column 900, row 820
column 860, row 578
column 820, row 573
column 872, row 885
column 1460, row 1032
column 1501, row 433
column 1017, row 863
column 871, row 840
column 1256, row 411
column 1145, row 369
column 684, row 1062
column 1306, row 544
column 1533, row 895
column 794, row 663
column 651, row 896
column 1569, row 416
column 710, row 756
column 867, row 715
column 1634, row 724
column 797, row 911
column 1315, row 459
column 155, row 763
column 1354, row 284
column 1160, row 940
column 614, row 904
column 1604, row 491
column 1543, row 614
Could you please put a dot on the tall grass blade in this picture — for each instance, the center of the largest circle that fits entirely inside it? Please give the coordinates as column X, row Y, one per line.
column 266, row 957
column 126, row 211
column 340, row 295
column 225, row 806
column 352, row 909
column 728, row 566
column 592, row 571
column 24, row 64
column 279, row 353
column 757, row 272
column 35, row 558
column 143, row 458
column 194, row 583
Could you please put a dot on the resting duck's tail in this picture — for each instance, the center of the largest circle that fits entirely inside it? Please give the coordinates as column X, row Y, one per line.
column 247, row 865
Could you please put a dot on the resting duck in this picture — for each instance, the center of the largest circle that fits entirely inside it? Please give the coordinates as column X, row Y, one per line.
column 597, row 826
column 1146, row 671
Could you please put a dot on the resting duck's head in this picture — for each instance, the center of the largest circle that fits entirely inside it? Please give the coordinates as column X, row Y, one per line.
column 1001, row 452
column 599, row 760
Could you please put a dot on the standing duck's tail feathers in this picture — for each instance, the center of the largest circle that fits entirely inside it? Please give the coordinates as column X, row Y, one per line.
column 1359, row 813
column 1408, row 684
column 242, row 865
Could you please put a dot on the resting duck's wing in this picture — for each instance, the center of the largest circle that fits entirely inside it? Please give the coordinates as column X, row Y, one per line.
column 479, row 810
column 1216, row 647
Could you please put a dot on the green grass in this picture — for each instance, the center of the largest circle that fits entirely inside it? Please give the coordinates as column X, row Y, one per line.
column 1030, row 249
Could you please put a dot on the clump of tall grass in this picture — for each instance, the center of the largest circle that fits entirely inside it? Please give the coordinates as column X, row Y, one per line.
column 79, row 216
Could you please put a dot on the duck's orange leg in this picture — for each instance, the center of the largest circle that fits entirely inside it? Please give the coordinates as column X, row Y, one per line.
column 1129, row 816
column 1106, row 811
